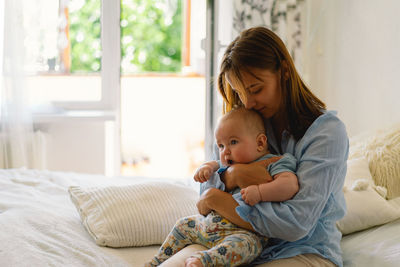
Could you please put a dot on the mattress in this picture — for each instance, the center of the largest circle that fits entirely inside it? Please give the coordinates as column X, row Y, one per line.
column 41, row 227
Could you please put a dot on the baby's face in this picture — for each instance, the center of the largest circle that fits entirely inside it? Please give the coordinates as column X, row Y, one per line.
column 235, row 143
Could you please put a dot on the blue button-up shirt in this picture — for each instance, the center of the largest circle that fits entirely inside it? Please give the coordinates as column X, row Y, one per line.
column 307, row 222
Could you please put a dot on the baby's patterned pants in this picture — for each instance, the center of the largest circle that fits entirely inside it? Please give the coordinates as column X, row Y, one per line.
column 228, row 244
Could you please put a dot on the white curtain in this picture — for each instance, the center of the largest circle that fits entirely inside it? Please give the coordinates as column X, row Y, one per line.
column 281, row 16
column 18, row 142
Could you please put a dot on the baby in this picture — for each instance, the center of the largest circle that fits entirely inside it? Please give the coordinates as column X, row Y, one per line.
column 241, row 138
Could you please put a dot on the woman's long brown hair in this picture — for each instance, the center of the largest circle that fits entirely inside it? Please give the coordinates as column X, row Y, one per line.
column 260, row 48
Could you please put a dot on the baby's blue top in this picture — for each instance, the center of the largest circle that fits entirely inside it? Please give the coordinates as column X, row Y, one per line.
column 307, row 222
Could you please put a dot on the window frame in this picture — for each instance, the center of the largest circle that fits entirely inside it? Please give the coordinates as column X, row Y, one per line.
column 110, row 63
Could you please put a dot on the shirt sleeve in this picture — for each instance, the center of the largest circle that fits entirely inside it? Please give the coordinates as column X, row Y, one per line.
column 321, row 167
column 288, row 163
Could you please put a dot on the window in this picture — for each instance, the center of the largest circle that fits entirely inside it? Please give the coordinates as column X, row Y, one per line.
column 140, row 59
column 63, row 51
column 162, row 87
column 71, row 50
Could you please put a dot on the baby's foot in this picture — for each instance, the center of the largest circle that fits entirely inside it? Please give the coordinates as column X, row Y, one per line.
column 193, row 262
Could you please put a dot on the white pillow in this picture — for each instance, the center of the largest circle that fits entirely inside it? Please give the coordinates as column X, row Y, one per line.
column 382, row 150
column 133, row 215
column 365, row 206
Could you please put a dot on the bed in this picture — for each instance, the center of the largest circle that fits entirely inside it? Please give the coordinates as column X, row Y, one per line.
column 50, row 218
column 40, row 225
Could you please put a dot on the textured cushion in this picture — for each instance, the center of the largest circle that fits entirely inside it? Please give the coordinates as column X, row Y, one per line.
column 365, row 206
column 382, row 150
column 133, row 215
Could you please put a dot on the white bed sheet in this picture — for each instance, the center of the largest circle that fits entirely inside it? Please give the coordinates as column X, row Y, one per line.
column 41, row 227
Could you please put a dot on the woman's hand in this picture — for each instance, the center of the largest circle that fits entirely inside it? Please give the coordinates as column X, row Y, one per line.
column 244, row 175
column 266, row 162
column 202, row 204
column 223, row 203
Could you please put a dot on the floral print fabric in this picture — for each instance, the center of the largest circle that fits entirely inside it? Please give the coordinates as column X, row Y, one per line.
column 228, row 244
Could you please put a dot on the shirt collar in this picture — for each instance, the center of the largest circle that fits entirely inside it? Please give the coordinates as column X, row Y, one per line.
column 272, row 142
column 273, row 145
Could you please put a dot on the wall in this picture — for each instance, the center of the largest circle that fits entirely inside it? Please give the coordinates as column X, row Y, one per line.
column 353, row 60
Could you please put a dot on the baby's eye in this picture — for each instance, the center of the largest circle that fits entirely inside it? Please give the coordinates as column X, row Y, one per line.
column 220, row 146
column 234, row 142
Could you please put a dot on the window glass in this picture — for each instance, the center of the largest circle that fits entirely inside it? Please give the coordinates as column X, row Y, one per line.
column 62, row 50
column 151, row 36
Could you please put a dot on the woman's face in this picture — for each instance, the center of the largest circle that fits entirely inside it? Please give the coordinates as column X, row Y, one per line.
column 261, row 92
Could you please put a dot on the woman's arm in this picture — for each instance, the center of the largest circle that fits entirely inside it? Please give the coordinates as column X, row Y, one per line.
column 224, row 204
column 244, row 175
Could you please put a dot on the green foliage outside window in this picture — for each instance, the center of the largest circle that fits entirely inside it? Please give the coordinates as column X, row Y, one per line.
column 151, row 33
column 151, row 36
column 84, row 35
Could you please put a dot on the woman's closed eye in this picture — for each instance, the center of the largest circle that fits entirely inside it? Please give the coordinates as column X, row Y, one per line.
column 255, row 90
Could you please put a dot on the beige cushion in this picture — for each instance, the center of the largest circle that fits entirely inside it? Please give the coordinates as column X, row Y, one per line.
column 382, row 150
column 365, row 206
column 133, row 215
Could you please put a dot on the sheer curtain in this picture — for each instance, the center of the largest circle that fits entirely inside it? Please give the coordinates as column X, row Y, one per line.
column 281, row 16
column 18, row 147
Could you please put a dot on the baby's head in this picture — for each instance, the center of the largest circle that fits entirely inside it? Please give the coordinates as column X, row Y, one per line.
column 240, row 136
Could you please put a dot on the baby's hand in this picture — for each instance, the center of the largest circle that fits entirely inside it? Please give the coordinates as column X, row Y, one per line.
column 203, row 173
column 251, row 195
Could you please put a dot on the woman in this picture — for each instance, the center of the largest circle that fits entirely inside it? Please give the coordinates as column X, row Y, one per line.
column 258, row 72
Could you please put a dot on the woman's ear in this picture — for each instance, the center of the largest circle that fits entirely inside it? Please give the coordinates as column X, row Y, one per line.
column 261, row 142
